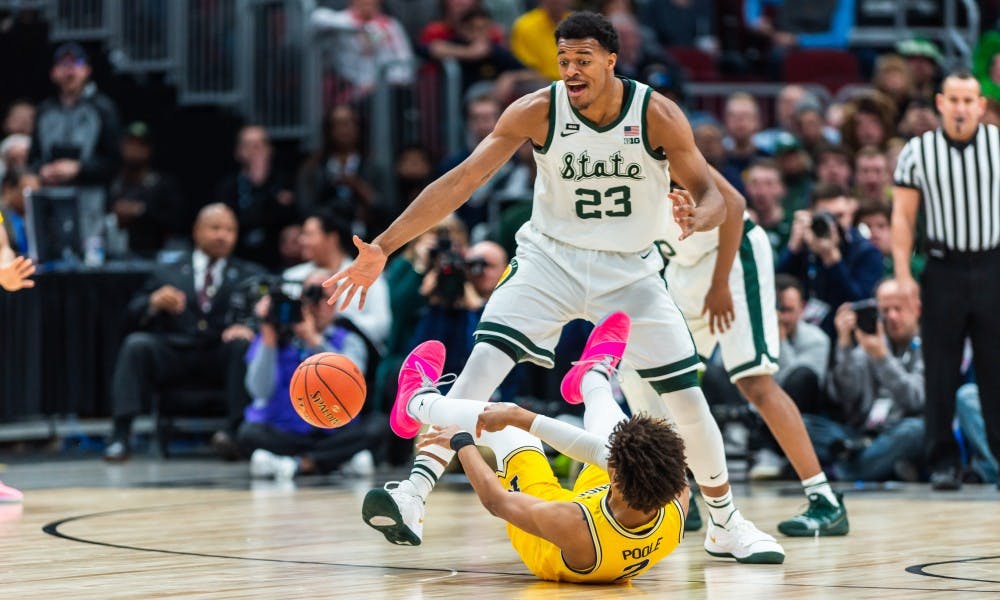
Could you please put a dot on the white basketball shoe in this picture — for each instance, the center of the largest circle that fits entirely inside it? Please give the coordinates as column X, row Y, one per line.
column 740, row 539
column 397, row 511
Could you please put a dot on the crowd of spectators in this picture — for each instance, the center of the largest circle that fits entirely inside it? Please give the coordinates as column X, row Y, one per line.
column 818, row 179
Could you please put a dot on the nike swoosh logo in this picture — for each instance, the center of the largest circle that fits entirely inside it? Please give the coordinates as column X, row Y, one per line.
column 646, row 254
column 565, row 133
column 716, row 475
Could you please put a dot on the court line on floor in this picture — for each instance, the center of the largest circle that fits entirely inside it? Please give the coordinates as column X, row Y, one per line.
column 920, row 569
column 52, row 529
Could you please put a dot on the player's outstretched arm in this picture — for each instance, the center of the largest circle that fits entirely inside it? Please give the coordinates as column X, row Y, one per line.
column 574, row 442
column 526, row 118
column 513, row 508
column 670, row 132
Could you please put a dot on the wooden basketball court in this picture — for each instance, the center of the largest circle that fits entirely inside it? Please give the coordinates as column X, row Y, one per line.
column 200, row 529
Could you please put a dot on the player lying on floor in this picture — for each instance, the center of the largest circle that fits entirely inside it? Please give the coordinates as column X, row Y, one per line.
column 624, row 512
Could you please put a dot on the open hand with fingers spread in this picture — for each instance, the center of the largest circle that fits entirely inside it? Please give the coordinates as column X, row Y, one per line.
column 358, row 277
column 15, row 276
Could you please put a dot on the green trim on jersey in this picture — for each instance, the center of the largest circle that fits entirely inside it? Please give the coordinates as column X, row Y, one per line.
column 674, row 384
column 667, row 370
column 552, row 120
column 657, row 154
column 629, row 93
column 751, row 287
column 520, row 342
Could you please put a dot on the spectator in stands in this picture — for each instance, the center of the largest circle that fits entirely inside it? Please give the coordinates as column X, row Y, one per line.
column 765, row 193
column 835, row 263
column 187, row 332
column 805, row 349
column 16, row 186
column 893, row 78
column 259, row 195
column 919, row 117
column 637, row 51
column 925, row 61
column 413, row 172
column 869, row 120
column 833, row 166
column 368, row 44
column 290, row 246
column 874, row 222
column 682, row 23
column 147, row 203
column 708, row 137
column 19, row 118
column 479, row 57
column 788, row 99
column 878, row 383
column 824, row 24
column 324, row 239
column 14, row 152
column 76, row 134
column 812, row 129
column 986, row 64
column 481, row 115
column 457, row 285
column 337, row 177
column 742, row 120
column 872, row 177
column 533, row 40
column 796, row 171
column 279, row 442
column 436, row 37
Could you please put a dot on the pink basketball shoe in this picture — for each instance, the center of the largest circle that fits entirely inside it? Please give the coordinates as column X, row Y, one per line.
column 421, row 369
column 606, row 342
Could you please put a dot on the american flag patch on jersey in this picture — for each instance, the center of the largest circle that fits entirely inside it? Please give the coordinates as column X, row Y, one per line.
column 631, row 130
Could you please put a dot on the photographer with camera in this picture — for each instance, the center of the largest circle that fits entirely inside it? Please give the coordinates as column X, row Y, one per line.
column 878, row 383
column 279, row 442
column 457, row 285
column 835, row 263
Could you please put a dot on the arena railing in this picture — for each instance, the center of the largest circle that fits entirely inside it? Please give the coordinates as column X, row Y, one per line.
column 958, row 38
column 80, row 19
column 142, row 40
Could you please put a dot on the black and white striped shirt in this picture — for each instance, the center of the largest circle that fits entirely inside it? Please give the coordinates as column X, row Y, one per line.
column 960, row 186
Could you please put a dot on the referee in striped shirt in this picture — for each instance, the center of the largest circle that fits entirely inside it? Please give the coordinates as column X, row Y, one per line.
column 953, row 173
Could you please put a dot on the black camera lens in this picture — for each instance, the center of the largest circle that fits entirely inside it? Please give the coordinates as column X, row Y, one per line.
column 313, row 293
column 822, row 224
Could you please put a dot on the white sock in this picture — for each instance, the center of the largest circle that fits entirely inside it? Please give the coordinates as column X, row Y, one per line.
column 434, row 409
column 720, row 508
column 702, row 439
column 602, row 412
column 817, row 484
column 427, row 470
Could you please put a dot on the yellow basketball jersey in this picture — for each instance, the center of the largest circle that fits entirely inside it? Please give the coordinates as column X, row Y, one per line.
column 622, row 553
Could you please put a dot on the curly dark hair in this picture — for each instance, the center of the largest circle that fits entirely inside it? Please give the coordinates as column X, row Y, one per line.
column 647, row 455
column 583, row 25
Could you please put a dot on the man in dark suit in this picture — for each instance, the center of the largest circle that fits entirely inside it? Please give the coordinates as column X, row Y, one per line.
column 187, row 330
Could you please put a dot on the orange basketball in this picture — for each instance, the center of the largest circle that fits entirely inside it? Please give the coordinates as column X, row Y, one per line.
column 327, row 390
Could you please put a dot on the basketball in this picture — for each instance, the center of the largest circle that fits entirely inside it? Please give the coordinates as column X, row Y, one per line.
column 327, row 390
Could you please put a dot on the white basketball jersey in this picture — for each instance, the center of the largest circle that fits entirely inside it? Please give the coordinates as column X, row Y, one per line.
column 601, row 188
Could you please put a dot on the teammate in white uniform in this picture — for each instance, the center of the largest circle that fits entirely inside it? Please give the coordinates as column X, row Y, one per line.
column 732, row 303
column 601, row 144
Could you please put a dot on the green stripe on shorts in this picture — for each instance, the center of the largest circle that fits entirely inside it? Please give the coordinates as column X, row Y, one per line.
column 673, row 384
column 667, row 370
column 513, row 337
column 751, row 287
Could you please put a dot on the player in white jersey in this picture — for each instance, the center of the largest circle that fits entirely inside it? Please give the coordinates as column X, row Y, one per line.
column 601, row 145
column 732, row 303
